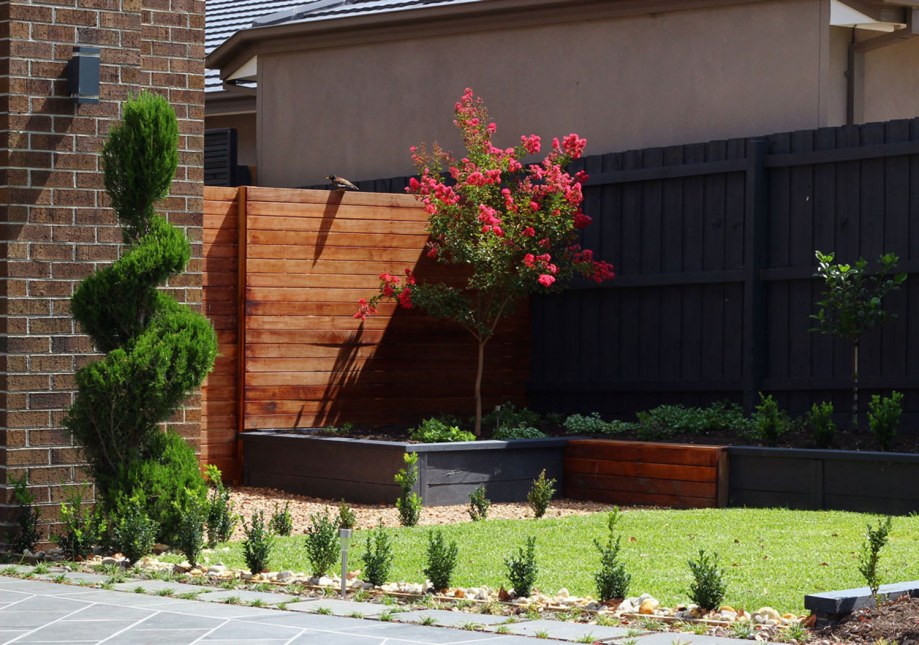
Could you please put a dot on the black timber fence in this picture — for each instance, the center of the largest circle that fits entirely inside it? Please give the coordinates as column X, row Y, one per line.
column 714, row 249
column 713, row 245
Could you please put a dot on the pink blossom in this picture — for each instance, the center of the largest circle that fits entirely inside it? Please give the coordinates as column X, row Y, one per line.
column 405, row 298
column 546, row 280
column 531, row 144
column 476, row 179
column 492, row 128
column 365, row 310
column 529, row 260
column 529, row 231
column 581, row 220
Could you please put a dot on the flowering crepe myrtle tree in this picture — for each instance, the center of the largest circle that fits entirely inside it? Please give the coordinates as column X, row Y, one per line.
column 512, row 226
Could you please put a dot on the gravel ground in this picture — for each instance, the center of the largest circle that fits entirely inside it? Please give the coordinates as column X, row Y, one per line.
column 248, row 500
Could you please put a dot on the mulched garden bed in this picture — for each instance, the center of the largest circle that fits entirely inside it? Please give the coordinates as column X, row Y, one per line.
column 893, row 622
column 845, row 440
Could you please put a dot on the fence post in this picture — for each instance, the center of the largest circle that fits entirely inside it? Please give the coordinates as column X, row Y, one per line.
column 242, row 197
column 754, row 322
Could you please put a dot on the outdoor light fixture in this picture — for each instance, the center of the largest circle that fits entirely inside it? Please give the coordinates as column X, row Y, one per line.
column 345, row 536
column 83, row 75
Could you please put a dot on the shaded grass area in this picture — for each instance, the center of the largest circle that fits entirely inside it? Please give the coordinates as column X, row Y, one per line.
column 770, row 556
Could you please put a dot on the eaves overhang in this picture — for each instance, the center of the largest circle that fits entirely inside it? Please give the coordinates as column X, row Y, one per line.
column 241, row 48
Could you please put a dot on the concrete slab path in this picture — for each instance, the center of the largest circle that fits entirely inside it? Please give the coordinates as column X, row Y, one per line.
column 40, row 611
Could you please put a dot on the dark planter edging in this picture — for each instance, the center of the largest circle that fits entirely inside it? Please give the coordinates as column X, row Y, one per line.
column 832, row 606
column 875, row 482
column 361, row 470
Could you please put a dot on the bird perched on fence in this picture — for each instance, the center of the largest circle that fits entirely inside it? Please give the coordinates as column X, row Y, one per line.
column 340, row 183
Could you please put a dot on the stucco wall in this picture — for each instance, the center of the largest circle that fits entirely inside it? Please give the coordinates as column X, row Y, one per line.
column 623, row 83
column 892, row 82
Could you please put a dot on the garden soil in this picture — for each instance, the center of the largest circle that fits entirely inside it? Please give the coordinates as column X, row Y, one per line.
column 893, row 622
column 248, row 500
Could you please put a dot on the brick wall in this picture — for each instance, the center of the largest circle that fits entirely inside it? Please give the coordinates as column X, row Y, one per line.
column 56, row 224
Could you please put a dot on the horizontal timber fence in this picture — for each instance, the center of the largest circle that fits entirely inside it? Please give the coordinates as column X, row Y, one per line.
column 284, row 270
column 714, row 250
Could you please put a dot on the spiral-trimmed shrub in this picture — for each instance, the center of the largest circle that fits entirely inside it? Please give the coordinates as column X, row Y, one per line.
column 157, row 351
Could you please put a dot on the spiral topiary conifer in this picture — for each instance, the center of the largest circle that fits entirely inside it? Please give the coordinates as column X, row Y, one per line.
column 157, row 351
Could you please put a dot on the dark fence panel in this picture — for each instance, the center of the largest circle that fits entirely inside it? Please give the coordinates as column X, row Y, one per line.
column 714, row 250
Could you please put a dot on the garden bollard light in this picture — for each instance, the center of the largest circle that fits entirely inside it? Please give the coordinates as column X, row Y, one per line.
column 345, row 535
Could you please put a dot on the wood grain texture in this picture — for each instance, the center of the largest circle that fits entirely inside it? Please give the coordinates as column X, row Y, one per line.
column 625, row 472
column 309, row 256
column 220, row 393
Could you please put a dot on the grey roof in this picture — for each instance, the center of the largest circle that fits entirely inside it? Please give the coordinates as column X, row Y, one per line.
column 225, row 17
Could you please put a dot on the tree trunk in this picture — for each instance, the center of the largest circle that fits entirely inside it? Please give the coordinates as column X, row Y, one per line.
column 478, row 387
column 855, row 386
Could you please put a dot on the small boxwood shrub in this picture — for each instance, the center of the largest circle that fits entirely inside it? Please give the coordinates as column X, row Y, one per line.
column 479, row 504
column 541, row 494
column 436, row 431
column 612, row 579
column 440, row 561
column 507, row 415
column 409, row 502
column 708, row 586
column 281, row 521
column 346, row 517
column 518, row 432
column 377, row 557
column 322, row 546
column 769, row 422
column 25, row 535
column 884, row 416
column 522, row 568
column 82, row 528
column 593, row 424
column 820, row 422
column 133, row 532
column 258, row 544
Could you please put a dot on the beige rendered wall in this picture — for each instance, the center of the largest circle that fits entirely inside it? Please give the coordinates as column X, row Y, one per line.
column 624, row 83
column 892, row 82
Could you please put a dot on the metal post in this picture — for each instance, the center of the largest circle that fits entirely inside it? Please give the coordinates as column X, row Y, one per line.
column 345, row 536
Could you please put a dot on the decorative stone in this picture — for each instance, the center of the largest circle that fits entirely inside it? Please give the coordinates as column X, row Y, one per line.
column 647, row 607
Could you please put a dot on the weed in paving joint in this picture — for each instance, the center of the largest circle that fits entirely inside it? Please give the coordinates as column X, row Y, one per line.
column 541, row 494
column 428, row 620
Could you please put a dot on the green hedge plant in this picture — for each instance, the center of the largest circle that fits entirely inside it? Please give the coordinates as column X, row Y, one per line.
column 157, row 351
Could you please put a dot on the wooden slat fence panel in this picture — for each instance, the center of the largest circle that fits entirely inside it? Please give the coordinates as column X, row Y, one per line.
column 309, row 255
column 219, row 404
column 702, row 309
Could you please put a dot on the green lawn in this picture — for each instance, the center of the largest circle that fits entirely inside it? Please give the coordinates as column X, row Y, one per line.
column 770, row 556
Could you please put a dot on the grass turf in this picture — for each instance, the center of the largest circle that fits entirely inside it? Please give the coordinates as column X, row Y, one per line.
column 770, row 556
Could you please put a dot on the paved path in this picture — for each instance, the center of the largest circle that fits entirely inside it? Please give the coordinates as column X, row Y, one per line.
column 40, row 611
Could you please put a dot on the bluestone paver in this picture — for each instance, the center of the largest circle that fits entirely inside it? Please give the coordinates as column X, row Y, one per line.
column 341, row 607
column 33, row 611
column 157, row 586
column 565, row 631
column 244, row 597
column 446, row 618
column 76, row 577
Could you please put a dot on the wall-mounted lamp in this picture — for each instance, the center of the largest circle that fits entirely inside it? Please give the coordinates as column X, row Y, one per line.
column 83, row 75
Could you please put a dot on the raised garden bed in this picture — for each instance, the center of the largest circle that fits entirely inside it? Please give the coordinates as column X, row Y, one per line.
column 833, row 606
column 634, row 472
column 361, row 470
column 875, row 482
